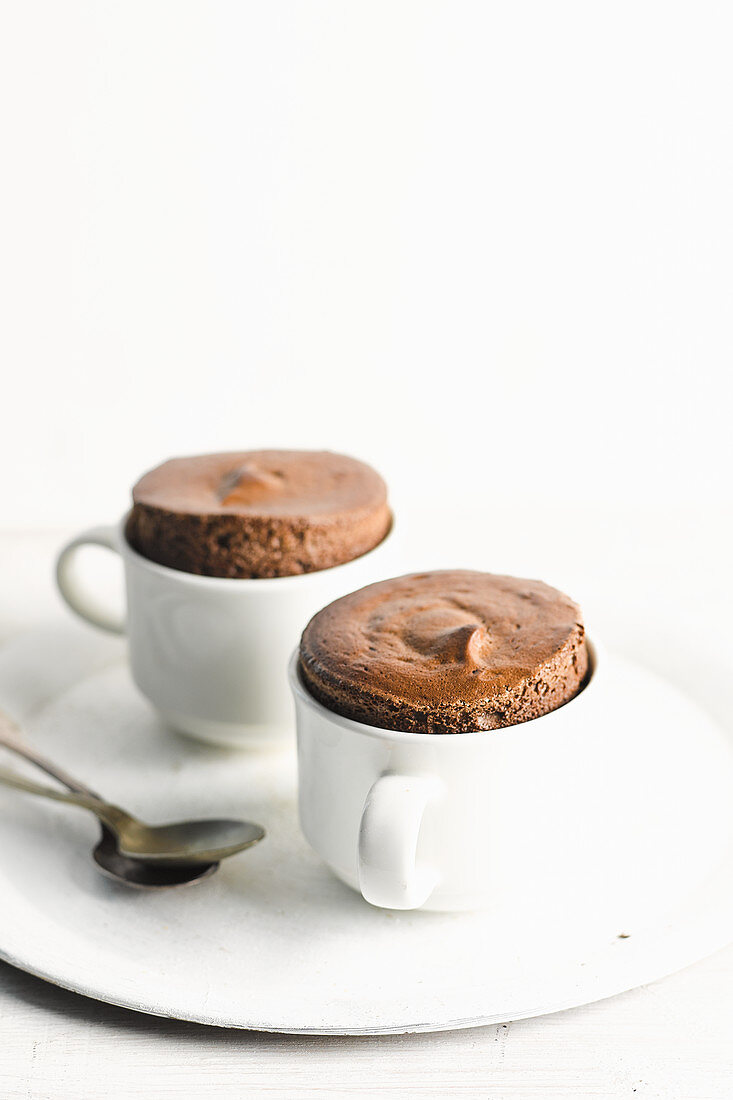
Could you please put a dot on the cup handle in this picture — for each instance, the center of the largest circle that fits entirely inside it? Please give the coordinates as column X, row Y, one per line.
column 82, row 602
column 389, row 875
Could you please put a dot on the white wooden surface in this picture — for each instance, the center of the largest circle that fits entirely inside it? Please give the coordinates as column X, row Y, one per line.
column 670, row 1040
column 656, row 580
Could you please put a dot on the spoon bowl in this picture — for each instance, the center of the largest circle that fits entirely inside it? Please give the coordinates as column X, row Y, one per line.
column 202, row 841
column 144, row 874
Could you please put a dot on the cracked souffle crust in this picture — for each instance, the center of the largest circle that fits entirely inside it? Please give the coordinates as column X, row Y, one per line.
column 445, row 652
column 258, row 514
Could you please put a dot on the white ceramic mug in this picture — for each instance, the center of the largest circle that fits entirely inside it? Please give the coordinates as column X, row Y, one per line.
column 211, row 653
column 463, row 821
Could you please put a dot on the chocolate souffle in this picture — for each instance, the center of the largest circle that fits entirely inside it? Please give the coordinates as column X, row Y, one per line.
column 446, row 652
column 258, row 513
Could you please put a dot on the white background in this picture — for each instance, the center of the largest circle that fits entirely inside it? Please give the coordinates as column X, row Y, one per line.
column 485, row 246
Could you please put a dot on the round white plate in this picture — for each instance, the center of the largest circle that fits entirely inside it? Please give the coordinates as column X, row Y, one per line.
column 273, row 941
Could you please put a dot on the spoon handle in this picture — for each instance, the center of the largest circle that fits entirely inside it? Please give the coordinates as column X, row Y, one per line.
column 104, row 811
column 10, row 739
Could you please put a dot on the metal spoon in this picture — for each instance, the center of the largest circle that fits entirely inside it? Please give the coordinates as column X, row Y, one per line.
column 180, row 842
column 131, row 872
column 138, row 871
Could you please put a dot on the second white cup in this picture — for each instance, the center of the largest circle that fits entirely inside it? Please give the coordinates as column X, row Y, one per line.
column 211, row 653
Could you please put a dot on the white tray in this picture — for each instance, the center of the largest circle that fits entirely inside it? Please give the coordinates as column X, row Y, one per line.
column 273, row 941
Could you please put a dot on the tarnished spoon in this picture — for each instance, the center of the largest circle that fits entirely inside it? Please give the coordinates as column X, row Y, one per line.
column 140, row 871
column 202, row 841
column 107, row 856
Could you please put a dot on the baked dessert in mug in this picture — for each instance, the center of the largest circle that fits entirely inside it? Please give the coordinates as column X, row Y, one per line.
column 446, row 652
column 258, row 513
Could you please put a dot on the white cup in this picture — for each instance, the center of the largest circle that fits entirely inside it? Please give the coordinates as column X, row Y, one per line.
column 462, row 821
column 211, row 653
